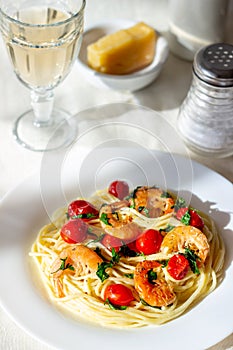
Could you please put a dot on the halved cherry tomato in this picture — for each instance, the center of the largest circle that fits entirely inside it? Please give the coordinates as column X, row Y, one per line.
column 119, row 189
column 74, row 231
column 111, row 242
column 149, row 242
column 192, row 217
column 83, row 210
column 178, row 266
column 118, row 294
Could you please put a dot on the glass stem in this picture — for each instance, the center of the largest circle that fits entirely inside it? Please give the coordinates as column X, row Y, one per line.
column 42, row 104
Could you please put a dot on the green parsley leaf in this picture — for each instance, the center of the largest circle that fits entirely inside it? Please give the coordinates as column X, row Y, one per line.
column 180, row 203
column 152, row 276
column 114, row 307
column 168, row 228
column 129, row 275
column 101, row 271
column 115, row 257
column 146, row 211
column 64, row 266
column 127, row 252
column 164, row 262
column 104, row 219
column 165, row 195
column 98, row 239
column 192, row 258
column 186, row 218
column 146, row 304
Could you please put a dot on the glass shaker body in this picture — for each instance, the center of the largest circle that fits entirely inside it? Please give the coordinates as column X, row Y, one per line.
column 205, row 119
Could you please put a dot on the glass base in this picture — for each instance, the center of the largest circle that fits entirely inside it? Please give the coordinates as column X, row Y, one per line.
column 59, row 132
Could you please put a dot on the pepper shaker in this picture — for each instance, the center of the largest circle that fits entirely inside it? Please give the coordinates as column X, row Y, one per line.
column 205, row 119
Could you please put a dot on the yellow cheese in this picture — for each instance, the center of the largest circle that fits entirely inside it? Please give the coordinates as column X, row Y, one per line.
column 123, row 52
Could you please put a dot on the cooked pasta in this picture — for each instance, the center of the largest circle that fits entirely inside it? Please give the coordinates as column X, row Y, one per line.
column 70, row 272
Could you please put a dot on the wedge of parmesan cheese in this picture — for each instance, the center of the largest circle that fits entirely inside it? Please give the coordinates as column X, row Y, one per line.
column 123, row 52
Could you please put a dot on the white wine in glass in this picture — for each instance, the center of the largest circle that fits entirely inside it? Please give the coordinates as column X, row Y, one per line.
column 43, row 41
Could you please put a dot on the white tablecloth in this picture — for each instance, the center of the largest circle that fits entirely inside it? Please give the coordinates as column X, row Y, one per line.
column 76, row 94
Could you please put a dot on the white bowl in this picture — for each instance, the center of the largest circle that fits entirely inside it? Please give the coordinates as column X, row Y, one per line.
column 130, row 82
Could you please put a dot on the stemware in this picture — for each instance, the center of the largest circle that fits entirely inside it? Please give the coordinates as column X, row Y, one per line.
column 43, row 40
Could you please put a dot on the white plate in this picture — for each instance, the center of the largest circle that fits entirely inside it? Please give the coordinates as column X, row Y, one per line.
column 130, row 82
column 27, row 208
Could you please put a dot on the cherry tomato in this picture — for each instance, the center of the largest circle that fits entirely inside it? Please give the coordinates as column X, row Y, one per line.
column 119, row 189
column 118, row 294
column 192, row 219
column 149, row 242
column 83, row 210
column 74, row 231
column 178, row 266
column 181, row 212
column 111, row 242
column 196, row 220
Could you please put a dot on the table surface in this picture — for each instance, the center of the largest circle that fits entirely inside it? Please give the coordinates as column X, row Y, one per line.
column 76, row 94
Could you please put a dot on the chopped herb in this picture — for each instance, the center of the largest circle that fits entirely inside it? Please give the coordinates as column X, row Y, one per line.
column 180, row 203
column 127, row 252
column 146, row 211
column 132, row 206
column 104, row 219
column 192, row 258
column 141, row 208
column 164, row 262
column 168, row 228
column 98, row 239
column 165, row 195
column 152, row 276
column 64, row 266
column 114, row 307
column 129, row 275
column 84, row 216
column 146, row 304
column 115, row 257
column 101, row 271
column 186, row 218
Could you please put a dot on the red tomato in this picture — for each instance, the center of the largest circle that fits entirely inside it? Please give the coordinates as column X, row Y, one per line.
column 74, row 231
column 194, row 219
column 178, row 266
column 149, row 242
column 119, row 189
column 118, row 294
column 83, row 210
column 111, row 242
column 181, row 212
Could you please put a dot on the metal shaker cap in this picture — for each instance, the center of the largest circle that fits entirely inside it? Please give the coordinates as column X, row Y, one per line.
column 214, row 64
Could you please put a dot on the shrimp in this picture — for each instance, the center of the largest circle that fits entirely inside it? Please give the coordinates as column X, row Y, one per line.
column 76, row 260
column 182, row 237
column 155, row 291
column 151, row 201
column 118, row 222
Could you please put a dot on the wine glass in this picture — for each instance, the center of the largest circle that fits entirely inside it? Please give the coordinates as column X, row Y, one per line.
column 43, row 39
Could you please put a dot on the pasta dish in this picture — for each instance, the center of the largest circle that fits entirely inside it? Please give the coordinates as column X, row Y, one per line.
column 129, row 258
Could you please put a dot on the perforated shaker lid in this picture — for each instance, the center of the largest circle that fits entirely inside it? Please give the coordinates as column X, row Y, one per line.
column 214, row 64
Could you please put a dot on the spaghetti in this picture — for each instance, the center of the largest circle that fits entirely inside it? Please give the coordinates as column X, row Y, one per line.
column 73, row 277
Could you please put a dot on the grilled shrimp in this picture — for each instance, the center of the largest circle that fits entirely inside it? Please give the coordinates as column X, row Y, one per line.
column 182, row 237
column 118, row 222
column 151, row 285
column 76, row 260
column 151, row 201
